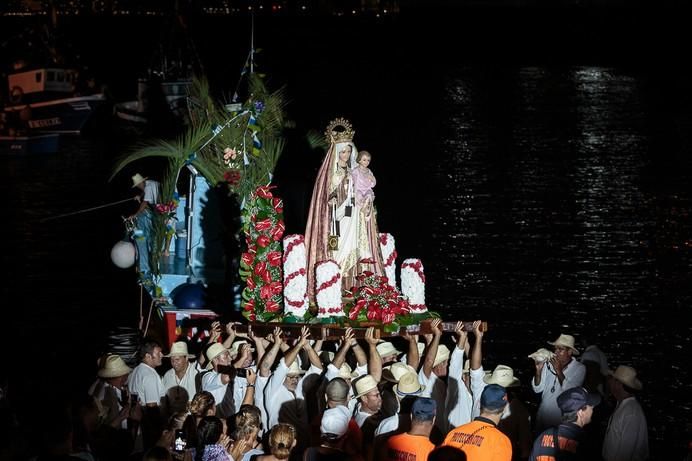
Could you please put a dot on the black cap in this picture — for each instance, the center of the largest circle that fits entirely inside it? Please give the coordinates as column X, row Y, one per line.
column 575, row 399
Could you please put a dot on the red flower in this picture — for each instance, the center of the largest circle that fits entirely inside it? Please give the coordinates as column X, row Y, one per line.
column 265, row 192
column 278, row 231
column 278, row 205
column 372, row 314
column 367, row 273
column 266, row 277
column 250, row 282
column 263, row 225
column 272, row 306
column 388, row 317
column 250, row 305
column 260, row 268
column 232, row 177
column 247, row 259
column 265, row 292
column 274, row 258
column 263, row 241
column 276, row 288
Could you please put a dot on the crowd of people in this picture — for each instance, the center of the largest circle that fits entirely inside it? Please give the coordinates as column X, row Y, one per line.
column 410, row 398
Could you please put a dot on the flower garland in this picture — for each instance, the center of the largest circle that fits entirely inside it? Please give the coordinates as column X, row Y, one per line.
column 328, row 292
column 413, row 284
column 260, row 265
column 295, row 281
column 375, row 300
column 389, row 255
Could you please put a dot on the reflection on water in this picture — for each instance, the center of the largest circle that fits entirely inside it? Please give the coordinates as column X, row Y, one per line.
column 557, row 201
column 552, row 214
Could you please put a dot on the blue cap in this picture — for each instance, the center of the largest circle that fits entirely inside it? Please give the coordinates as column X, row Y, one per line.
column 575, row 399
column 424, row 409
column 494, row 397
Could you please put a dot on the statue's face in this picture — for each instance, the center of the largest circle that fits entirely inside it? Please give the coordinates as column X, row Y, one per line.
column 364, row 161
column 345, row 153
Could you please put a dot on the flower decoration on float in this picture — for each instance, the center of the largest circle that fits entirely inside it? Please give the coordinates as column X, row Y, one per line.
column 261, row 263
column 375, row 300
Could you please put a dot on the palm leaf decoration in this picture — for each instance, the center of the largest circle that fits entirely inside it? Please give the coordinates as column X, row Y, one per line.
column 238, row 149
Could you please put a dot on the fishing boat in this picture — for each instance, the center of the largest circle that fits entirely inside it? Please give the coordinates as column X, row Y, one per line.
column 47, row 143
column 48, row 100
column 174, row 90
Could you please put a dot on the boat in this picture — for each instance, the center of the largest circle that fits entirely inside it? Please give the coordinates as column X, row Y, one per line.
column 47, row 100
column 174, row 90
column 47, row 143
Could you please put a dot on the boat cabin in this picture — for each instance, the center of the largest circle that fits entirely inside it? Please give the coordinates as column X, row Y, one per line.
column 43, row 80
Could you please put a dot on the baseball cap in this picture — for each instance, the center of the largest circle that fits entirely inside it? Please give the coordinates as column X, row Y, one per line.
column 576, row 398
column 335, row 421
column 494, row 397
column 424, row 409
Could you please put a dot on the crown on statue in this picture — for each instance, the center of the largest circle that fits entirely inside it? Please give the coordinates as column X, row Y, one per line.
column 339, row 130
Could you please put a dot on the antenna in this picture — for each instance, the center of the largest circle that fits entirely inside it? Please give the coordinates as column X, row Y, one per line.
column 252, row 40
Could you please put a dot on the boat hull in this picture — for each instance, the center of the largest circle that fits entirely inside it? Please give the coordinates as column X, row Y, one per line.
column 62, row 116
column 32, row 144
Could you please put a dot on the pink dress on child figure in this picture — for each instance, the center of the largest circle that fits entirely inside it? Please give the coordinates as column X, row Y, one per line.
column 363, row 182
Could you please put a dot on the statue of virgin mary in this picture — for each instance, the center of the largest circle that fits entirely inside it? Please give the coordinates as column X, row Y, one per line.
column 334, row 218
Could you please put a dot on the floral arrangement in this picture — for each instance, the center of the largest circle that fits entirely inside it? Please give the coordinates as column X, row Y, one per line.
column 167, row 212
column 328, row 291
column 389, row 254
column 375, row 300
column 260, row 265
column 295, row 281
column 413, row 284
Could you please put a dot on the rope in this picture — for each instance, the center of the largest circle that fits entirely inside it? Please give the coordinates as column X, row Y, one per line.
column 87, row 209
column 151, row 308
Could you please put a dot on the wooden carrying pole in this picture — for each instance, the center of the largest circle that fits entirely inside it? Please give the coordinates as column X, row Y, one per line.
column 334, row 331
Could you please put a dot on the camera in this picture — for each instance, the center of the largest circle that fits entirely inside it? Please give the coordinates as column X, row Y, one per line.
column 179, row 443
column 241, row 372
column 227, row 370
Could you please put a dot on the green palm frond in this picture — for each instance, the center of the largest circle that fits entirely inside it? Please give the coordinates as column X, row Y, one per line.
column 316, row 140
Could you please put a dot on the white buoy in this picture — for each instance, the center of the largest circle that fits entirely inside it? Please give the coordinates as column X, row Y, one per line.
column 123, row 254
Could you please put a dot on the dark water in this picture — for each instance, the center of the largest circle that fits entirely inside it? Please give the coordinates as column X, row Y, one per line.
column 545, row 193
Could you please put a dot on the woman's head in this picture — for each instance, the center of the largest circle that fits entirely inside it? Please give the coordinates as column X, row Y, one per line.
column 247, row 423
column 209, row 430
column 281, row 440
column 202, row 404
column 344, row 151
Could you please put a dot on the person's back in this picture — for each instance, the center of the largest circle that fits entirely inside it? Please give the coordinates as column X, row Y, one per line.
column 409, row 447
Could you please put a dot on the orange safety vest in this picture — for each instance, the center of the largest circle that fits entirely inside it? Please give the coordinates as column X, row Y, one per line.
column 481, row 440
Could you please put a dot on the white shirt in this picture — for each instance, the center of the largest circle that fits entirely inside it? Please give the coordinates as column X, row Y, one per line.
column 276, row 395
column 459, row 403
column 211, row 382
column 151, row 191
column 436, row 389
column 146, row 383
column 627, row 437
column 170, row 379
column 477, row 386
column 549, row 413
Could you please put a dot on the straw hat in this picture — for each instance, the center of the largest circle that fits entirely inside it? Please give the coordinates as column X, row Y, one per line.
column 627, row 376
column 295, row 369
column 113, row 366
column 179, row 348
column 235, row 348
column 395, row 371
column 442, row 354
column 386, row 348
column 214, row 351
column 502, row 375
column 346, row 372
column 565, row 341
column 408, row 385
column 542, row 355
column 137, row 179
column 364, row 385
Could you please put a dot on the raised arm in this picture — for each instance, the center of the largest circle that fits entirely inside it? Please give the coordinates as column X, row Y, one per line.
column 477, row 354
column 265, row 366
column 361, row 357
column 412, row 356
column 312, row 355
column 340, row 355
column 251, row 377
column 291, row 355
column 375, row 362
column 260, row 346
column 432, row 347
